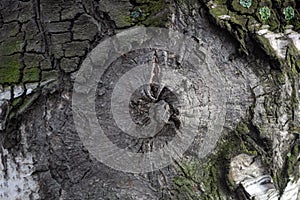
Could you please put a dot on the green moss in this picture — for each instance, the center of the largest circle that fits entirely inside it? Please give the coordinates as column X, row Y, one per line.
column 45, row 64
column 218, row 11
column 241, row 36
column 11, row 115
column 240, row 20
column 220, row 2
column 25, row 105
column 242, row 128
column 153, row 6
column 281, row 79
column 149, row 13
column 246, row 16
column 32, row 60
column 31, row 75
column 236, row 143
column 48, row 75
column 17, row 102
column 146, row 12
column 297, row 65
column 11, row 29
column 293, row 61
column 156, row 21
column 21, row 104
column 127, row 19
column 294, row 129
column 10, row 69
column 252, row 25
column 291, row 167
column 246, row 3
column 197, row 180
column 11, row 45
column 244, row 8
column 268, row 16
column 28, row 101
column 294, row 103
column 274, row 22
column 208, row 179
column 123, row 19
column 297, row 24
column 265, row 44
column 265, row 13
column 263, row 3
column 289, row 13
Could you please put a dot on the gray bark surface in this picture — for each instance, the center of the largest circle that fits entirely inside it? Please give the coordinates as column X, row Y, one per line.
column 42, row 46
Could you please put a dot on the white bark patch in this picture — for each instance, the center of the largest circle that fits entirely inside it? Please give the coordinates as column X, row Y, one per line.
column 291, row 192
column 18, row 91
column 243, row 167
column 280, row 41
column 295, row 37
column 224, row 17
column 251, row 174
column 5, row 94
column 16, row 181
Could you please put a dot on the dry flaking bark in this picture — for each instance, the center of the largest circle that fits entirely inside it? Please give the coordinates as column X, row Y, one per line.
column 42, row 44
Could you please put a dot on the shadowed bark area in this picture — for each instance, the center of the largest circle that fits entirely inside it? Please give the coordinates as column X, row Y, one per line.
column 42, row 47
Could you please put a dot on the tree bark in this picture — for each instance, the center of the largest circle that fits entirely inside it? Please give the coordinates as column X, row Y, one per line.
column 43, row 45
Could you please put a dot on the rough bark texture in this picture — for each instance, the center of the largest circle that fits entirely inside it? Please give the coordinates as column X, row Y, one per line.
column 43, row 44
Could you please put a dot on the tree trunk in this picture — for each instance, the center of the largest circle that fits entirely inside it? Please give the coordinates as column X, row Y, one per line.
column 243, row 98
